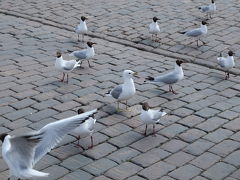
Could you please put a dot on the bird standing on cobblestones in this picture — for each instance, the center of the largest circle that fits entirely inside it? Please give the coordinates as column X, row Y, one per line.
column 150, row 116
column 226, row 63
column 65, row 66
column 154, row 28
column 82, row 28
column 21, row 153
column 85, row 54
column 169, row 78
column 197, row 33
column 209, row 10
column 126, row 90
column 85, row 129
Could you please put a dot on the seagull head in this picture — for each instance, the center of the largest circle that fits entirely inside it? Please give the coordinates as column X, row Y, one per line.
column 179, row 62
column 230, row 53
column 212, row 1
column 90, row 44
column 58, row 54
column 129, row 74
column 2, row 136
column 83, row 18
column 145, row 106
column 204, row 23
column 80, row 111
column 155, row 19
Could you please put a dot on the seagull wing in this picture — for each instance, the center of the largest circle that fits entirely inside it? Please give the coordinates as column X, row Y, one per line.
column 194, row 33
column 169, row 78
column 116, row 92
column 79, row 54
column 54, row 132
column 21, row 152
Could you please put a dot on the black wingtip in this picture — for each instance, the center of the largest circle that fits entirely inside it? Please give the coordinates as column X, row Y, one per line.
column 182, row 32
column 150, row 78
column 69, row 51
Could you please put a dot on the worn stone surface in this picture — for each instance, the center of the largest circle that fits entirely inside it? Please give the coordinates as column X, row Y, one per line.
column 197, row 139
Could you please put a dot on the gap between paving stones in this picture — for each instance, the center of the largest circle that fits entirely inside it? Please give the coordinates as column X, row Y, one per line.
column 121, row 41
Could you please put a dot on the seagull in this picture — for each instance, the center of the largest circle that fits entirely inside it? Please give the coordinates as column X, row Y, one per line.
column 226, row 63
column 197, row 33
column 22, row 152
column 85, row 53
column 150, row 116
column 169, row 78
column 209, row 10
column 126, row 90
column 154, row 28
column 82, row 28
column 85, row 129
column 65, row 66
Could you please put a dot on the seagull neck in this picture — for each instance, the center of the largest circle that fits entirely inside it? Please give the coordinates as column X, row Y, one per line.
column 128, row 81
column 230, row 58
column 204, row 28
column 178, row 68
column 60, row 58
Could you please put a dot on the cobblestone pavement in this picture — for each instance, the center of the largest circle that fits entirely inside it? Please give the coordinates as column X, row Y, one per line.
column 129, row 21
column 198, row 139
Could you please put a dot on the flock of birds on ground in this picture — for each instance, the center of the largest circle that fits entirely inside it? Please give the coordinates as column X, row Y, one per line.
column 21, row 153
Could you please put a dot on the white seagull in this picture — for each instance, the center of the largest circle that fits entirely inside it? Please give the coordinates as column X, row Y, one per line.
column 85, row 54
column 82, row 28
column 197, row 33
column 154, row 28
column 169, row 78
column 209, row 9
column 126, row 90
column 226, row 63
column 65, row 66
column 150, row 116
column 85, row 129
column 21, row 153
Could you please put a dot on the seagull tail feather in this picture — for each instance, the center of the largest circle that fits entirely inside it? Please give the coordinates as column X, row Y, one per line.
column 183, row 32
column 35, row 173
column 108, row 93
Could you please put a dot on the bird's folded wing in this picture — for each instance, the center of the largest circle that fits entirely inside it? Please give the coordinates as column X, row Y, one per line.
column 69, row 65
column 221, row 61
column 194, row 33
column 21, row 153
column 116, row 92
column 54, row 132
column 169, row 78
column 157, row 114
column 80, row 54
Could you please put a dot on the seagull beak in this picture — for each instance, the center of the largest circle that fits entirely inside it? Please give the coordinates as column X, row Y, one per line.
column 135, row 73
column 94, row 43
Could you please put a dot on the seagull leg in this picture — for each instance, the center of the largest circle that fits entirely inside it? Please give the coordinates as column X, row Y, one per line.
column 67, row 79
column 154, row 132
column 78, row 144
column 91, row 143
column 78, row 37
column 171, row 89
column 126, row 105
column 202, row 41
column 89, row 64
column 228, row 75
column 62, row 77
column 145, row 132
column 197, row 43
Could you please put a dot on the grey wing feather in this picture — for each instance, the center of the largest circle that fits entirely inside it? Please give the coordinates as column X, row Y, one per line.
column 221, row 62
column 80, row 54
column 54, row 132
column 205, row 8
column 168, row 78
column 194, row 33
column 22, row 150
column 69, row 65
column 116, row 92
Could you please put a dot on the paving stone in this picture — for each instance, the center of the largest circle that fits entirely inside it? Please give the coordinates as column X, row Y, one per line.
column 156, row 170
column 123, row 170
column 205, row 160
column 100, row 151
column 218, row 135
column 116, row 130
column 55, row 172
column 198, row 147
column 185, row 172
column 148, row 143
column 124, row 154
column 192, row 135
column 212, row 124
column 219, row 171
column 172, row 130
column 225, row 147
column 150, row 157
column 174, row 145
column 100, row 166
column 233, row 158
column 178, row 159
column 78, row 174
column 233, row 125
column 125, row 139
column 76, row 162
